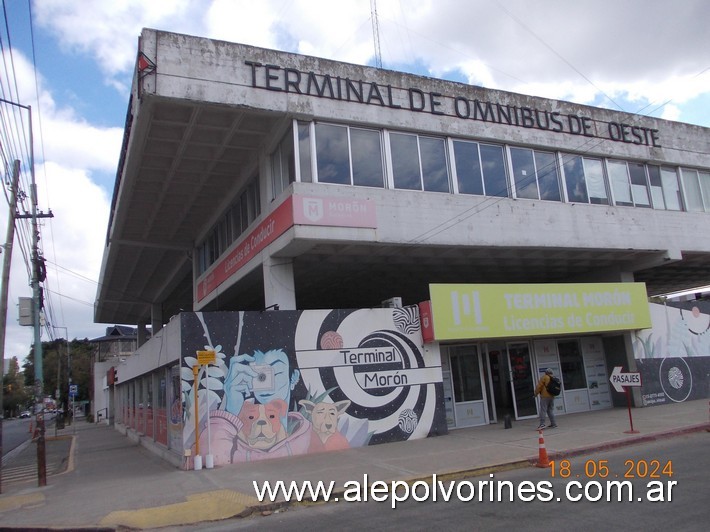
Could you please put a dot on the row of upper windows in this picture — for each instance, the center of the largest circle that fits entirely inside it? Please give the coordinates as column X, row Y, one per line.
column 230, row 227
column 347, row 155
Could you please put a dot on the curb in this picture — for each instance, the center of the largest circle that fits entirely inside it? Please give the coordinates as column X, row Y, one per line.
column 606, row 446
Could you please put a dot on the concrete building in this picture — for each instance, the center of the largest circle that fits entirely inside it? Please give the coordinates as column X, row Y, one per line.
column 253, row 179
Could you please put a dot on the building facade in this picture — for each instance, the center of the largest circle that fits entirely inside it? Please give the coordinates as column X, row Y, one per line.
column 254, row 180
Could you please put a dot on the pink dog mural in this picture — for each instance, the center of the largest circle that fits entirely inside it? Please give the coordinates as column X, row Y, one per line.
column 324, row 425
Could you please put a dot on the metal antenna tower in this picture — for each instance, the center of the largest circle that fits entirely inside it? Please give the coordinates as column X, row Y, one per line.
column 375, row 33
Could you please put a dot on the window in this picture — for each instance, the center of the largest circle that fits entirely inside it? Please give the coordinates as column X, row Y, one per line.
column 366, row 147
column 697, row 190
column 572, row 365
column 548, row 176
column 574, row 180
column 665, row 192
column 524, row 173
column 594, row 176
column 466, row 374
column 639, row 185
column 235, row 221
column 349, row 156
column 468, row 167
column 495, row 179
column 283, row 165
column 584, row 180
column 619, row 179
column 419, row 163
column 535, row 174
column 304, row 152
column 332, row 154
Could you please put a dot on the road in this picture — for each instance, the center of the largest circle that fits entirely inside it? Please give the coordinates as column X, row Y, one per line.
column 667, row 487
column 14, row 433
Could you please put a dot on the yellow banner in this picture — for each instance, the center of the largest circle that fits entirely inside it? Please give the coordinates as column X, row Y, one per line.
column 468, row 311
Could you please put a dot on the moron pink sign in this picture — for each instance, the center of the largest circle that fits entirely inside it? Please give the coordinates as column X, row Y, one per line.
column 335, row 212
column 300, row 210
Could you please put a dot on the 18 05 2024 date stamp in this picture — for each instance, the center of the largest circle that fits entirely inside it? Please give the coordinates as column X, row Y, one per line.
column 604, row 481
column 596, row 469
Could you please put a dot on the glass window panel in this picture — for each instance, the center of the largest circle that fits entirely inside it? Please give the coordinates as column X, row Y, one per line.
column 304, row 151
column 236, row 220
column 466, row 375
column 495, row 179
column 548, row 176
column 244, row 211
column 693, row 197
column 435, row 170
column 639, row 187
column 288, row 159
column 405, row 161
column 571, row 365
column 704, row 179
column 594, row 177
column 366, row 147
column 225, row 234
column 524, row 173
column 619, row 179
column 654, row 180
column 468, row 168
column 332, row 154
column 671, row 190
column 574, row 179
column 276, row 183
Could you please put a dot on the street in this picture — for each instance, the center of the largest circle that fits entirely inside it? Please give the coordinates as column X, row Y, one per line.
column 671, row 471
column 14, row 433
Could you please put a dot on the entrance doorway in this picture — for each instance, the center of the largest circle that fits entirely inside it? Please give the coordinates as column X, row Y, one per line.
column 523, row 384
column 469, row 390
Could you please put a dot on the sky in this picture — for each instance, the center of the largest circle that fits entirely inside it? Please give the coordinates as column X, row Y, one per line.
column 72, row 63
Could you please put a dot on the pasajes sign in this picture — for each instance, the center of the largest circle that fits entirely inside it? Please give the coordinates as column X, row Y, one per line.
column 465, row 311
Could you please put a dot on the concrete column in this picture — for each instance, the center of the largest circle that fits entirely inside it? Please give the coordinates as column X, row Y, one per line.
column 156, row 317
column 279, row 285
column 142, row 334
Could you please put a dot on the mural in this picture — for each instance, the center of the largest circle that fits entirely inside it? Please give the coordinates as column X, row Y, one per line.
column 673, row 356
column 286, row 383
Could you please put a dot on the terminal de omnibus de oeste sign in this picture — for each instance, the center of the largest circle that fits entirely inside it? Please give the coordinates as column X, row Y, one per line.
column 469, row 311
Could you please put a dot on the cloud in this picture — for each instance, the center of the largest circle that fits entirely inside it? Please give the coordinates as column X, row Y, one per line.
column 69, row 155
column 649, row 51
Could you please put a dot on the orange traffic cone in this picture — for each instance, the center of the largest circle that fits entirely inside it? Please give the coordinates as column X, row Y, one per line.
column 543, row 461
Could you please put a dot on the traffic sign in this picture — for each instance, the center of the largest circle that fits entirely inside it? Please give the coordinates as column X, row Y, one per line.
column 73, row 390
column 620, row 380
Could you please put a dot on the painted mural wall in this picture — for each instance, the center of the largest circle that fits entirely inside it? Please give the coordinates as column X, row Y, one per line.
column 673, row 356
column 294, row 382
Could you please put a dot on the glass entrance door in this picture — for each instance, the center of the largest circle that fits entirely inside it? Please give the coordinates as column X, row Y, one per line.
column 522, row 382
column 469, row 393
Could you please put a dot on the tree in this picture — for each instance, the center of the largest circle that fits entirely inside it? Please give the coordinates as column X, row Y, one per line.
column 61, row 361
column 15, row 395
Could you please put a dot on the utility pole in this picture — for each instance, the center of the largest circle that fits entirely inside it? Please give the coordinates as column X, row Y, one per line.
column 7, row 261
column 37, row 278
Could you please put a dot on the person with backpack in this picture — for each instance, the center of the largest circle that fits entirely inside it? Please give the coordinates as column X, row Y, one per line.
column 547, row 388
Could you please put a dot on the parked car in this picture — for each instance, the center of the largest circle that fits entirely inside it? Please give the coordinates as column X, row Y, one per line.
column 25, row 413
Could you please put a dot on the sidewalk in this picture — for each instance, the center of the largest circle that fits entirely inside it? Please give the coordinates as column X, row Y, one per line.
column 106, row 481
